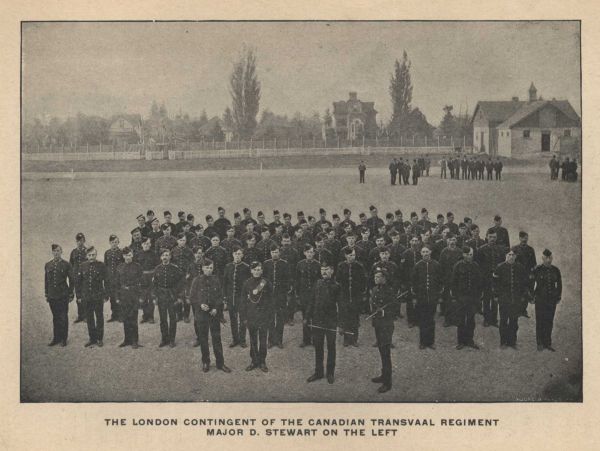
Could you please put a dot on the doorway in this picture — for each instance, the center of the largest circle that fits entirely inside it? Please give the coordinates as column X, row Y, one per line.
column 545, row 141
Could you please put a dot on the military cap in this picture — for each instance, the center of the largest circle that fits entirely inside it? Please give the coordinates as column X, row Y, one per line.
column 346, row 211
column 414, row 214
column 362, row 215
column 393, row 232
column 348, row 251
column 423, row 210
column 383, row 249
column 190, row 217
column 230, row 228
column 335, row 216
column 167, row 213
column 275, row 212
column 237, row 214
column 307, row 247
column 165, row 226
column 285, row 236
column 163, row 250
column 126, row 250
column 264, row 229
column 325, row 264
column 320, row 237
column 207, row 262
column 547, row 253
column 180, row 214
column 389, row 216
column 351, row 234
column 302, row 221
column 80, row 236
column 155, row 220
column 474, row 226
column 255, row 264
column 245, row 210
column 180, row 235
column 466, row 249
column 467, row 219
column 462, row 225
column 260, row 213
column 522, row 234
column 310, row 218
column 137, row 229
column 300, row 213
column 146, row 239
column 321, row 211
column 380, row 270
column 208, row 217
column 55, row 247
column 364, row 230
column 497, row 218
column 140, row 216
column 248, row 236
column 236, row 248
column 220, row 209
column 90, row 249
column 274, row 247
column 372, row 208
column 150, row 213
column 287, row 215
column 449, row 214
column 440, row 216
column 398, row 212
column 112, row 238
column 197, row 248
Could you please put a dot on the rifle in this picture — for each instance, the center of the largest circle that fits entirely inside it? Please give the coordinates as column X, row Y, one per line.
column 331, row 330
column 380, row 309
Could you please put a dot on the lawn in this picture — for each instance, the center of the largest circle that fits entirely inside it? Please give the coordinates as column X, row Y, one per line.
column 55, row 209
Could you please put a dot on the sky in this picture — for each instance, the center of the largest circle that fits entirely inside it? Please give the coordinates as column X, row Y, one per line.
column 108, row 68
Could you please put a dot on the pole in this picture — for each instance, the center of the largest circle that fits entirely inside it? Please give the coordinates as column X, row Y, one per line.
column 438, row 141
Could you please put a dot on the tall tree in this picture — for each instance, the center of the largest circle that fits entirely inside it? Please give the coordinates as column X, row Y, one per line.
column 449, row 126
column 401, row 93
column 244, row 88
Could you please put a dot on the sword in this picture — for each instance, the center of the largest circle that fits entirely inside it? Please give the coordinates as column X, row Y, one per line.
column 400, row 296
column 331, row 330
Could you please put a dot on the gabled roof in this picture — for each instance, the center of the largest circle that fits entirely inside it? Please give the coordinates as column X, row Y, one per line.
column 342, row 106
column 498, row 111
column 133, row 119
column 529, row 108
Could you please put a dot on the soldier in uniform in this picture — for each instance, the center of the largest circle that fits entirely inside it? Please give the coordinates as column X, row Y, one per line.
column 166, row 241
column 547, row 294
column 257, row 311
column 351, row 277
column 247, row 217
column 181, row 256
column 264, row 246
column 393, row 167
column 279, row 275
column 218, row 255
column 236, row 274
column 222, row 223
column 416, row 172
column 374, row 222
column 426, row 288
column 290, row 255
column 384, row 306
column 375, row 252
column 410, row 258
column 201, row 240
column 58, row 290
column 475, row 242
column 155, row 234
column 142, row 225
column 443, row 164
column 467, row 289
column 362, row 168
column 489, row 167
column 308, row 272
column 148, row 260
column 448, row 258
column 251, row 253
column 288, row 227
column 498, row 168
column 347, row 219
column 206, row 295
column 276, row 222
column 92, row 284
column 450, row 224
column 489, row 257
column 168, row 284
column 501, row 233
column 136, row 240
column 113, row 257
column 321, row 252
column 193, row 270
column 525, row 256
column 78, row 256
column 128, row 287
column 210, row 230
column 150, row 216
column 322, row 318
column 178, row 228
column 510, row 286
column 230, row 242
column 240, row 228
column 333, row 245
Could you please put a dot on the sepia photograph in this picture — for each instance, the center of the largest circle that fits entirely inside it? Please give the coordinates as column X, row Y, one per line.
column 301, row 211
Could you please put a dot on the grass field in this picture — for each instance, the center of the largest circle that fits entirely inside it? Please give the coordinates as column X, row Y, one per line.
column 54, row 210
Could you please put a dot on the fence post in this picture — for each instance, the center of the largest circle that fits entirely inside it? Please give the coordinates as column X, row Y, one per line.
column 376, row 141
column 214, row 143
column 275, row 143
column 363, row 139
column 438, row 141
column 451, row 141
column 425, row 140
column 301, row 146
column 400, row 141
column 464, row 142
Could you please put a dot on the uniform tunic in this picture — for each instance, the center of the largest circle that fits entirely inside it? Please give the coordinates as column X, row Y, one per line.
column 58, row 289
column 129, row 286
column 510, row 285
column 322, row 312
column 278, row 273
column 148, row 260
column 92, row 284
column 234, row 277
column 168, row 286
column 467, row 288
column 352, row 279
column 547, row 293
column 385, row 308
column 426, row 286
column 257, row 310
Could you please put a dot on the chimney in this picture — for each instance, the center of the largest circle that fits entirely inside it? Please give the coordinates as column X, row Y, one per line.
column 352, row 95
column 515, row 99
column 532, row 93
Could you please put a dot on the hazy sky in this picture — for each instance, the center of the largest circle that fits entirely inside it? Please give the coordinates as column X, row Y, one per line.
column 107, row 68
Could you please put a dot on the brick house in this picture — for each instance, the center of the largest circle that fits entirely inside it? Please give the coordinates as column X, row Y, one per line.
column 353, row 118
column 125, row 128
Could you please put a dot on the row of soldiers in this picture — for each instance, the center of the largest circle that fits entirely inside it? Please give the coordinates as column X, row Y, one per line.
column 471, row 168
column 567, row 167
column 402, row 170
column 263, row 284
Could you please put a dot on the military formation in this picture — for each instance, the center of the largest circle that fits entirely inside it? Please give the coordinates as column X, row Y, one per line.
column 473, row 168
column 336, row 273
column 566, row 167
column 405, row 170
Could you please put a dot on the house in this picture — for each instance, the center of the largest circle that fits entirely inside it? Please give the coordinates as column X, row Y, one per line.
column 126, row 128
column 517, row 128
column 354, row 119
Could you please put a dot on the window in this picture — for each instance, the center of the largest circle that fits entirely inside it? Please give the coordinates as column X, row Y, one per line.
column 526, row 134
column 122, row 123
column 568, row 132
column 501, row 133
column 507, row 133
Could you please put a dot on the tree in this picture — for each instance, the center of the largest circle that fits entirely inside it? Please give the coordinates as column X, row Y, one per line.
column 448, row 126
column 244, row 89
column 401, row 93
column 327, row 119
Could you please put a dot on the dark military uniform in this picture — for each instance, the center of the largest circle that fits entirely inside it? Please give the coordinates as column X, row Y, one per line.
column 264, row 249
column 498, row 168
column 257, row 310
column 229, row 244
column 58, row 289
column 547, row 293
column 154, row 237
column 526, row 256
column 396, row 252
column 112, row 259
column 324, row 255
column 148, row 260
column 168, row 284
column 91, row 282
column 200, row 241
column 234, row 278
column 503, row 238
column 467, row 288
column 207, row 290
column 373, row 224
column 475, row 244
column 251, row 254
column 307, row 274
column 385, row 308
column 334, row 247
column 166, row 242
column 488, row 258
column 278, row 273
column 194, row 269
column 448, row 258
column 510, row 285
column 219, row 257
column 221, row 225
column 182, row 257
column 374, row 255
column 290, row 255
column 128, row 281
column 409, row 259
column 353, row 283
column 322, row 313
column 427, row 286
column 78, row 256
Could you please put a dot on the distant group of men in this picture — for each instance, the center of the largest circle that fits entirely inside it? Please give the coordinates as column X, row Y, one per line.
column 567, row 168
column 402, row 169
column 332, row 271
column 474, row 168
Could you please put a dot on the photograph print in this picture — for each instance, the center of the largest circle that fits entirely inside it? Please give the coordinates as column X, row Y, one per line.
column 301, row 211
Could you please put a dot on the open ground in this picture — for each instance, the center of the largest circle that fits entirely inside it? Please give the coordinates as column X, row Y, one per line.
column 55, row 208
